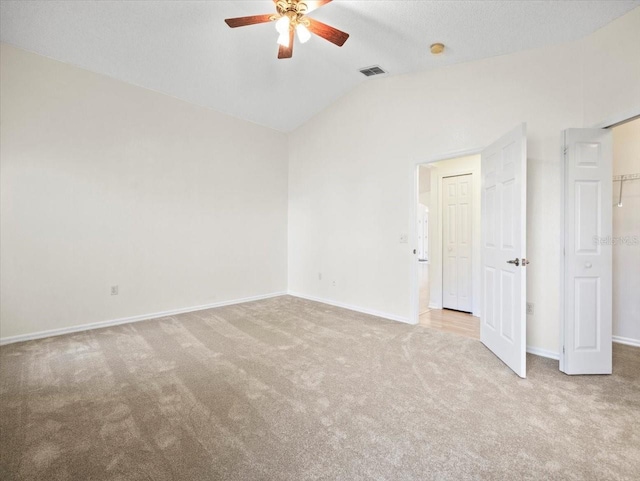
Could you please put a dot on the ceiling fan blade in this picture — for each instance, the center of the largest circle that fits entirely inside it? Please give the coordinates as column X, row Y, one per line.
column 313, row 4
column 244, row 21
column 287, row 52
column 334, row 35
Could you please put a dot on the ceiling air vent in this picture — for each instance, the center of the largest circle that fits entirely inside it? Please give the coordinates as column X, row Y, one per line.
column 370, row 71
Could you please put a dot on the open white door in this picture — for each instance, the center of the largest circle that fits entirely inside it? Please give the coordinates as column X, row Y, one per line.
column 587, row 252
column 504, row 224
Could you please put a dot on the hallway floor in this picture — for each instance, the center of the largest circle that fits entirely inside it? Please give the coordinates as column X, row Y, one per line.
column 455, row 322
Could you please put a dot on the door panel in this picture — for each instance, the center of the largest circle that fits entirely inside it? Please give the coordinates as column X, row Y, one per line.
column 587, row 291
column 507, row 316
column 587, row 256
column 489, row 302
column 457, row 242
column 504, row 181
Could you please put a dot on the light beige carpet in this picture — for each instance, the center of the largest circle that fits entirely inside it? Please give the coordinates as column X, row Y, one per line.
column 287, row 389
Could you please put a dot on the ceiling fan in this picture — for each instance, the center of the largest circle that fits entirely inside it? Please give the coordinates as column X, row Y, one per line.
column 292, row 17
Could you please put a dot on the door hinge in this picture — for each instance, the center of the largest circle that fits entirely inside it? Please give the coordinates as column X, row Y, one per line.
column 562, row 349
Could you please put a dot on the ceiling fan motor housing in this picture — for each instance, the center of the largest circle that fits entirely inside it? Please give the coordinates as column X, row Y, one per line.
column 295, row 10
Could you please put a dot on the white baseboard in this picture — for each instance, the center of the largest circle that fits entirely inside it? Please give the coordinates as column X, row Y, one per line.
column 543, row 353
column 554, row 355
column 363, row 310
column 435, row 305
column 127, row 320
column 627, row 340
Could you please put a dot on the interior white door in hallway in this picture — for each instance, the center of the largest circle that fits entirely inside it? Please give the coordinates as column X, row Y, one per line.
column 587, row 329
column 457, row 238
column 504, row 222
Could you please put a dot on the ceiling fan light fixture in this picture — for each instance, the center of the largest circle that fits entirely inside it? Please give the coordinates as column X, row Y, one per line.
column 283, row 39
column 303, row 33
column 282, row 25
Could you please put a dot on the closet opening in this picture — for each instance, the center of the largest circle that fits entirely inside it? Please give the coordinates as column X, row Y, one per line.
column 601, row 251
column 625, row 237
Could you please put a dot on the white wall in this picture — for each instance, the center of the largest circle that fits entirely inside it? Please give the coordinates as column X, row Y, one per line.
column 104, row 183
column 461, row 165
column 350, row 166
column 610, row 71
column 626, row 227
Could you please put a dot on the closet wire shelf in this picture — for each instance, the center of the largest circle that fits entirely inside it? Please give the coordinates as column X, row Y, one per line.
column 622, row 179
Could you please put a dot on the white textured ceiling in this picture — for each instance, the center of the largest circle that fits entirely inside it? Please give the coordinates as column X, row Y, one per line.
column 184, row 48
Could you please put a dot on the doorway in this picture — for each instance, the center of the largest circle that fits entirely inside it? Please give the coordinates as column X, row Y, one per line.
column 626, row 233
column 448, row 225
column 502, row 181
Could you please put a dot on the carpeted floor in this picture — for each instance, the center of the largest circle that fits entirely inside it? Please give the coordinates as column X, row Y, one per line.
column 287, row 389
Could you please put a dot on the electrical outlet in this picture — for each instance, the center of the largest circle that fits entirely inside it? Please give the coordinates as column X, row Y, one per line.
column 529, row 308
column 404, row 238
column 114, row 290
column 333, row 283
column 319, row 276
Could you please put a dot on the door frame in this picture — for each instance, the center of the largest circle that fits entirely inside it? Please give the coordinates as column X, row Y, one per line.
column 608, row 123
column 414, row 284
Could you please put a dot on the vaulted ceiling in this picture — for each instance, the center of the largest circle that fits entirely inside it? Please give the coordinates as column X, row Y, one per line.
column 184, row 48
